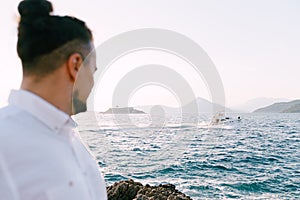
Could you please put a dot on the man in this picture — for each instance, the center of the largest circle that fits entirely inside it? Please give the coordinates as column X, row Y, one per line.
column 41, row 155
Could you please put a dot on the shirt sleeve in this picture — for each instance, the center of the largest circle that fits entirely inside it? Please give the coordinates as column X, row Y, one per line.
column 8, row 190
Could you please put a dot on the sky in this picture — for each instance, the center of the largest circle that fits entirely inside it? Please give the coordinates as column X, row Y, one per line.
column 254, row 44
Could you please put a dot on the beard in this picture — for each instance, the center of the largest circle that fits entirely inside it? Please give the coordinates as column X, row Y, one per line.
column 78, row 105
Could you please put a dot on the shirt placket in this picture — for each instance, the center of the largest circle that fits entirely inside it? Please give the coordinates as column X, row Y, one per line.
column 77, row 148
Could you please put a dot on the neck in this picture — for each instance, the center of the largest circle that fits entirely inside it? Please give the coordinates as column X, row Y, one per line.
column 51, row 88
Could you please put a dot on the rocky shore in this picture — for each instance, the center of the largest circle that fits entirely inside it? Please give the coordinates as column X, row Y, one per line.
column 130, row 190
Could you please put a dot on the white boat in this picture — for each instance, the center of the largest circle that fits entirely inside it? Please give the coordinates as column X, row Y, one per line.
column 221, row 119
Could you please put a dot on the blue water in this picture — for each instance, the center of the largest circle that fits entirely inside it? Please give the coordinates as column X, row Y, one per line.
column 257, row 158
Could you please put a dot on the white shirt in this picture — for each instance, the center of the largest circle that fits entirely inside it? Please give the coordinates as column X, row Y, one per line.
column 41, row 156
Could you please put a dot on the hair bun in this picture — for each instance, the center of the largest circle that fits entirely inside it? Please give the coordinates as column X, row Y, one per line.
column 35, row 8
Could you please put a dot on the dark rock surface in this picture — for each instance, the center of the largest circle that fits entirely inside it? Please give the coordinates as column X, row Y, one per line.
column 130, row 190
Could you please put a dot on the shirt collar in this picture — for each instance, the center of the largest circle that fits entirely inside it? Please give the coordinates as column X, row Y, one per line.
column 51, row 116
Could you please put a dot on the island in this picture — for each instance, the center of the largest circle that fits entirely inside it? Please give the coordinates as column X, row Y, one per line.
column 123, row 110
column 131, row 190
column 282, row 107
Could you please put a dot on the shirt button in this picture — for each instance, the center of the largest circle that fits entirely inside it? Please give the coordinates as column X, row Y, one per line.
column 71, row 183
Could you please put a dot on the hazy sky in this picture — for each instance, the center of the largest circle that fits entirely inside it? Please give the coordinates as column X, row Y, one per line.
column 254, row 44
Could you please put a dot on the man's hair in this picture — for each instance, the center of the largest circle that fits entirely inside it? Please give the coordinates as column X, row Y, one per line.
column 45, row 41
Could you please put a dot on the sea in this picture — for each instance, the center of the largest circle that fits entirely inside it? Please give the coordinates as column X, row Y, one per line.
column 257, row 157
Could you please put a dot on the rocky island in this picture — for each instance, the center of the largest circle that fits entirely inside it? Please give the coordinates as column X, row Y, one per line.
column 130, row 190
column 123, row 110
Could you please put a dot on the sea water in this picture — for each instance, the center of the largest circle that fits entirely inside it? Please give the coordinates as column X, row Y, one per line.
column 255, row 158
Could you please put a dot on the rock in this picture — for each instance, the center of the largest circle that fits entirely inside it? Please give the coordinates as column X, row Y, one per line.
column 130, row 190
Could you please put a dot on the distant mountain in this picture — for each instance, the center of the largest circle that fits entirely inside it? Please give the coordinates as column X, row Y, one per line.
column 204, row 106
column 256, row 103
column 282, row 107
column 293, row 109
column 167, row 109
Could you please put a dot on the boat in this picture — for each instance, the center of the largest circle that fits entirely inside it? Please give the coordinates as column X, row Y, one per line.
column 221, row 119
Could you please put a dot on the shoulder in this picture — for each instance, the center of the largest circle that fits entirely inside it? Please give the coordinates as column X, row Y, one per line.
column 9, row 125
column 14, row 122
column 8, row 111
column 8, row 116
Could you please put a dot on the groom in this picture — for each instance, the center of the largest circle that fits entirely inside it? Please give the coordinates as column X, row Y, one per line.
column 41, row 155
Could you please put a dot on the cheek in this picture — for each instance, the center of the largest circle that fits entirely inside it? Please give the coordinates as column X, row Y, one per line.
column 91, row 80
column 84, row 83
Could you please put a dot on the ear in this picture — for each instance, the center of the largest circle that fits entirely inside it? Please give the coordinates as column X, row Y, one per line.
column 74, row 63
